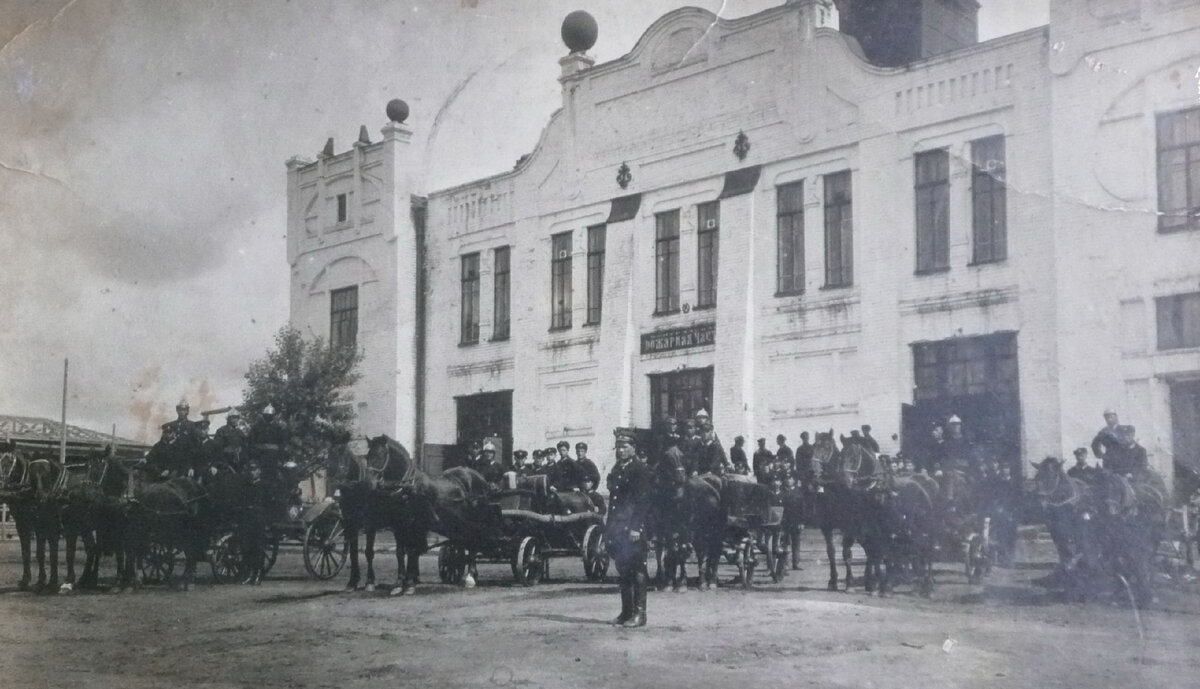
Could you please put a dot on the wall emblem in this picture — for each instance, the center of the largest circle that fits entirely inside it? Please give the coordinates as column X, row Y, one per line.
column 624, row 176
column 741, row 145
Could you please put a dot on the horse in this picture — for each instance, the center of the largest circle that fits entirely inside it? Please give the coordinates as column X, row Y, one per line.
column 1071, row 517
column 17, row 490
column 839, row 502
column 173, row 514
column 1132, row 524
column 454, row 505
column 366, row 506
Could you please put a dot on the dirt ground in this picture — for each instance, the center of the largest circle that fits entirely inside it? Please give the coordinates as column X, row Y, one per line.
column 295, row 632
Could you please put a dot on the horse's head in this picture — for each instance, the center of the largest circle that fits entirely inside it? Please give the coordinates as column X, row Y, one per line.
column 388, row 459
column 14, row 470
column 1048, row 476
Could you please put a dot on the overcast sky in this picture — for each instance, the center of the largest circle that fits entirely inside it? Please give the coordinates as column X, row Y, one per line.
column 142, row 185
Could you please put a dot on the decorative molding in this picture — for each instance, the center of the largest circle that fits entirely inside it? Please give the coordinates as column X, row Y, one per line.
column 960, row 300
column 624, row 176
column 810, row 412
column 741, row 145
column 493, row 366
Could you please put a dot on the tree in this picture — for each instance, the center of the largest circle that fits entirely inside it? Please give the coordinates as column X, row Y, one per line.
column 307, row 384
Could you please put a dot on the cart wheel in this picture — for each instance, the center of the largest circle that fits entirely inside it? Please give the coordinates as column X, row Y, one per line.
column 226, row 560
column 595, row 557
column 452, row 564
column 746, row 560
column 527, row 564
column 325, row 548
column 157, row 564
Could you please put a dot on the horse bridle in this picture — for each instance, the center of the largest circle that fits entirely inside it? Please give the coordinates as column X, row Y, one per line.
column 15, row 460
column 1058, row 477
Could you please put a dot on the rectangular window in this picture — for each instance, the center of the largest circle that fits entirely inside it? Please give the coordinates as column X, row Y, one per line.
column 681, row 394
column 933, row 201
column 988, row 197
column 597, row 235
column 341, row 202
column 839, row 237
column 469, row 332
column 1179, row 321
column 708, row 216
column 560, row 281
column 501, row 294
column 789, row 249
column 666, row 252
column 343, row 317
column 1179, row 171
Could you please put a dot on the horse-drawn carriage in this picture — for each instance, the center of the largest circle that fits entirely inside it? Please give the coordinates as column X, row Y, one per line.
column 753, row 530
column 528, row 525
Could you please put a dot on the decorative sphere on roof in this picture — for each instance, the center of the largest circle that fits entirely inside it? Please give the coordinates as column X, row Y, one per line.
column 579, row 31
column 397, row 110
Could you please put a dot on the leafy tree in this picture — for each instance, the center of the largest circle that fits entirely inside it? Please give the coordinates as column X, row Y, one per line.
column 307, row 383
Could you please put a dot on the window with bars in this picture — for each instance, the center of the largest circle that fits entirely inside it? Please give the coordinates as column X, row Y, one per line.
column 988, row 197
column 597, row 235
column 1178, row 321
column 1179, row 170
column 839, row 236
column 789, row 243
column 933, row 200
column 708, row 216
column 560, row 281
column 469, row 330
column 501, row 294
column 343, row 317
column 666, row 252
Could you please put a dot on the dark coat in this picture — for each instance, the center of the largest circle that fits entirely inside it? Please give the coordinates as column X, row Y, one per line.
column 710, row 456
column 587, row 472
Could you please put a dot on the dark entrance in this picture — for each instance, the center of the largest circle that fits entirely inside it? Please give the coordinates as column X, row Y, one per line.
column 1185, row 436
column 974, row 378
column 486, row 415
column 680, row 394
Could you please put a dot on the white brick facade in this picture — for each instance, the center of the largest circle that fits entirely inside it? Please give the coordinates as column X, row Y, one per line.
column 1084, row 258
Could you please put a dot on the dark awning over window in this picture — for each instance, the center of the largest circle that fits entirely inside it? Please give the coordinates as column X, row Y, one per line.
column 741, row 181
column 624, row 208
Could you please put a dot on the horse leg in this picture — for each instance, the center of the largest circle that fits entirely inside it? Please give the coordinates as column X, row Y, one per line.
column 659, row 574
column 794, row 535
column 827, row 533
column 71, row 535
column 55, row 534
column 847, row 546
column 412, row 574
column 40, row 535
column 471, row 573
column 25, row 536
column 352, row 543
column 370, row 553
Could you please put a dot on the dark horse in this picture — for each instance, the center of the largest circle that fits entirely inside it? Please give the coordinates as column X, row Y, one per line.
column 366, row 505
column 454, row 505
column 91, row 508
column 839, row 502
column 172, row 514
column 1072, row 516
column 18, row 490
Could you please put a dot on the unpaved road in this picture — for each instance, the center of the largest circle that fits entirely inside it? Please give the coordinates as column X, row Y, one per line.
column 293, row 632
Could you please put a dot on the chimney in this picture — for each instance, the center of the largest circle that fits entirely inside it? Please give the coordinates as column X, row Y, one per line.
column 892, row 33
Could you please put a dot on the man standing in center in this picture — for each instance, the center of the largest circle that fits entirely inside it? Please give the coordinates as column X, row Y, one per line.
column 629, row 493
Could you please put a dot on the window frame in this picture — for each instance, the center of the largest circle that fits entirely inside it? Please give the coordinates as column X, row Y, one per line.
column 1171, row 311
column 501, row 293
column 708, row 248
column 597, row 240
column 839, row 230
column 339, row 317
column 560, row 280
column 794, row 218
column 468, row 324
column 666, row 263
column 989, row 200
column 937, row 189
column 343, row 208
column 1190, row 149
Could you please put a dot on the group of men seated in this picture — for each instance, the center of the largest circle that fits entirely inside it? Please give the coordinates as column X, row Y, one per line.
column 562, row 471
column 1116, row 447
column 186, row 450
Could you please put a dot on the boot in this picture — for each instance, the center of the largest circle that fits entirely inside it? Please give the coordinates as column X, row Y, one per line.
column 626, row 603
column 639, row 602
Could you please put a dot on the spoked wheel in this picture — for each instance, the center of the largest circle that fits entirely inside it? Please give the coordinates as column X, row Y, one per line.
column 452, row 564
column 324, row 548
column 527, row 564
column 746, row 561
column 157, row 563
column 226, row 560
column 595, row 556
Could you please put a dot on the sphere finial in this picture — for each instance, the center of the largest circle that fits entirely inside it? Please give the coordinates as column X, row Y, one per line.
column 397, row 110
column 579, row 31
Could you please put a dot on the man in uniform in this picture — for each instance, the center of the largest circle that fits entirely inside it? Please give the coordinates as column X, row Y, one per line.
column 180, row 443
column 784, row 455
column 563, row 474
column 268, row 442
column 1129, row 457
column 804, row 458
column 737, row 456
column 489, row 466
column 629, row 492
column 1081, row 470
column 762, row 461
column 710, row 455
column 229, row 441
column 1108, row 438
column 935, row 456
column 868, row 441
